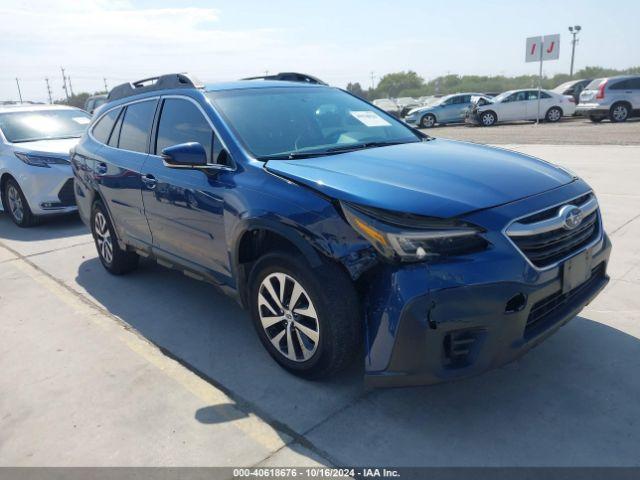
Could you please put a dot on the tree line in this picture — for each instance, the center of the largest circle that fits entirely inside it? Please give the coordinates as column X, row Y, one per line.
column 410, row 84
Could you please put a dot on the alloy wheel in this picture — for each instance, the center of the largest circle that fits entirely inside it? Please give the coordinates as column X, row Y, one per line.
column 103, row 237
column 620, row 113
column 487, row 119
column 554, row 115
column 288, row 317
column 428, row 121
column 15, row 203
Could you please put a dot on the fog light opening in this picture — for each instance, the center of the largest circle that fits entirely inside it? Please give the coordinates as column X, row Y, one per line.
column 515, row 303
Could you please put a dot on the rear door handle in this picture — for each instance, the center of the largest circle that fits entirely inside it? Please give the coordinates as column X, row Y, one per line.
column 101, row 168
column 149, row 181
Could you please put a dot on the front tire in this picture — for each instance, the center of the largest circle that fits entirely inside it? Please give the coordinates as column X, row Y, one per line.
column 619, row 112
column 114, row 259
column 554, row 114
column 307, row 318
column 595, row 119
column 488, row 119
column 428, row 121
column 16, row 205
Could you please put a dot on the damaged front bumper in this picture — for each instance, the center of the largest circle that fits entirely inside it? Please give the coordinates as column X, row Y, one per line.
column 429, row 323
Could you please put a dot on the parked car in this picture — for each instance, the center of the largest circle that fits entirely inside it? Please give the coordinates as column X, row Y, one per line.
column 572, row 88
column 35, row 176
column 93, row 102
column 522, row 105
column 448, row 109
column 617, row 98
column 339, row 226
column 388, row 106
column 406, row 104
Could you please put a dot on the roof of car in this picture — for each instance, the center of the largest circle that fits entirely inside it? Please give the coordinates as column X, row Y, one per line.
column 33, row 108
column 248, row 84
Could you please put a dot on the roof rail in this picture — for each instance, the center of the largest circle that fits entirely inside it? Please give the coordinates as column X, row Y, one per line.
column 162, row 82
column 290, row 77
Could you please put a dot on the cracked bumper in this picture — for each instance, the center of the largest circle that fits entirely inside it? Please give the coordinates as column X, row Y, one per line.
column 423, row 316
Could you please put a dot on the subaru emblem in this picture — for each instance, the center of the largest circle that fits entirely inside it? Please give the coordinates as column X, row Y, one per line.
column 572, row 217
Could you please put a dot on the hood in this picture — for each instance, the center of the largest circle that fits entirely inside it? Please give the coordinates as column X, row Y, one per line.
column 441, row 178
column 59, row 147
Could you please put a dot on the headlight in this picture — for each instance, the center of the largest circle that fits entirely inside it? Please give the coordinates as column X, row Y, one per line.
column 40, row 160
column 408, row 238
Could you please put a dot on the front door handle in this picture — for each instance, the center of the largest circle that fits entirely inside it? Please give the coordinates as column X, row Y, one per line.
column 149, row 181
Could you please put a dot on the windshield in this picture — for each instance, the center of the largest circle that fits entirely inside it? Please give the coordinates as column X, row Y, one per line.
column 562, row 87
column 502, row 96
column 306, row 121
column 43, row 125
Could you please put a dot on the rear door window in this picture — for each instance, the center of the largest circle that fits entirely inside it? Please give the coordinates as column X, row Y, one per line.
column 622, row 85
column 102, row 129
column 138, row 118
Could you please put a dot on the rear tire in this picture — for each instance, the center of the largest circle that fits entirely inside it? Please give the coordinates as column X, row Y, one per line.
column 317, row 333
column 16, row 205
column 619, row 112
column 488, row 119
column 114, row 259
column 554, row 114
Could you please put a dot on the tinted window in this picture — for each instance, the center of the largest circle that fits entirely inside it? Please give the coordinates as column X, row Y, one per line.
column 115, row 134
column 102, row 129
column 181, row 122
column 634, row 83
column 620, row 85
column 134, row 134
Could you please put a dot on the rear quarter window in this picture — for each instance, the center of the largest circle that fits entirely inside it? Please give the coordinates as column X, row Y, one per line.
column 103, row 127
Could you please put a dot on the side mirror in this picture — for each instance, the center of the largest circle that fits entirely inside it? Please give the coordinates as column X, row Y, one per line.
column 185, row 155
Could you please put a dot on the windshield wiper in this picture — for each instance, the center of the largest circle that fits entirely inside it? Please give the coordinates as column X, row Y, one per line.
column 361, row 146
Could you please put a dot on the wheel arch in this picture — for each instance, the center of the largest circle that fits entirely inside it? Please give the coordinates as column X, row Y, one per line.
column 255, row 237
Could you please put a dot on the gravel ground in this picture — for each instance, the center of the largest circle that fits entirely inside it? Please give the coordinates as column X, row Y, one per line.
column 570, row 131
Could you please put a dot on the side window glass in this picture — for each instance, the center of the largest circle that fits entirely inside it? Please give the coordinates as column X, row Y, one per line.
column 620, row 85
column 634, row 83
column 102, row 129
column 181, row 122
column 134, row 134
column 115, row 133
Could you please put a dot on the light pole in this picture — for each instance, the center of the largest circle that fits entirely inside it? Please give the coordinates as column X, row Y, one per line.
column 574, row 31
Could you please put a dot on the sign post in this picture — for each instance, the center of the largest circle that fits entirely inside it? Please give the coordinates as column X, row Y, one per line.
column 539, row 49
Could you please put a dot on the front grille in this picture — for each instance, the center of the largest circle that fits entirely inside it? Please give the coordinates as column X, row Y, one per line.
column 550, row 246
column 66, row 195
column 547, row 311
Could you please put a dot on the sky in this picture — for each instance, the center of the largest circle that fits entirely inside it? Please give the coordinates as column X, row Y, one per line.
column 337, row 41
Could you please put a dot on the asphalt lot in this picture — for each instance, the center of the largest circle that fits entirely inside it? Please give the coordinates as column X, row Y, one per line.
column 569, row 131
column 155, row 368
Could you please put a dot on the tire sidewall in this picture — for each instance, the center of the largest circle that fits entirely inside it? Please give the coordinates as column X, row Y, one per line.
column 488, row 113
column 27, row 216
column 613, row 107
column 428, row 115
column 550, row 120
column 297, row 268
column 97, row 207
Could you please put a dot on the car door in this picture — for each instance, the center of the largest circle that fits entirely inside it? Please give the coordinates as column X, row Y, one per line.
column 185, row 206
column 118, row 166
column 546, row 102
column 513, row 107
column 445, row 112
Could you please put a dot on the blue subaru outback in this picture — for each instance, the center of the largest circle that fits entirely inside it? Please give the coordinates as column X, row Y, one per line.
column 342, row 230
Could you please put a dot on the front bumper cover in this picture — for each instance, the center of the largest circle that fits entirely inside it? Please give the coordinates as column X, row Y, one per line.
column 424, row 315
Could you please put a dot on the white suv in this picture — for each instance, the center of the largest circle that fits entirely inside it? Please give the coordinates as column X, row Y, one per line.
column 35, row 174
